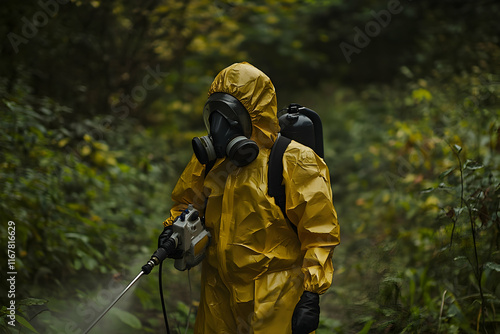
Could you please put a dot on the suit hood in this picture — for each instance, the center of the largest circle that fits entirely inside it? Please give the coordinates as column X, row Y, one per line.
column 256, row 92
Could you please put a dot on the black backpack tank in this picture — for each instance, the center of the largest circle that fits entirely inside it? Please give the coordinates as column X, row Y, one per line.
column 302, row 125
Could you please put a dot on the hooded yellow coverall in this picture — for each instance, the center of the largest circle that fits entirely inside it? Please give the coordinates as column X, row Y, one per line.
column 257, row 267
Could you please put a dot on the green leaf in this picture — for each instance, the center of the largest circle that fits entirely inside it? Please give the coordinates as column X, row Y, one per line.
column 33, row 301
column 367, row 327
column 25, row 323
column 446, row 173
column 89, row 263
column 472, row 165
column 413, row 288
column 182, row 308
column 127, row 318
column 79, row 236
column 458, row 211
column 457, row 148
column 77, row 264
column 493, row 266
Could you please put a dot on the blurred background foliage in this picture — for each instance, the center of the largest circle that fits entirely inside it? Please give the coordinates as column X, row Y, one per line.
column 99, row 102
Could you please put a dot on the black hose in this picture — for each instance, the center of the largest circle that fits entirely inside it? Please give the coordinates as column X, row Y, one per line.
column 162, row 299
column 157, row 259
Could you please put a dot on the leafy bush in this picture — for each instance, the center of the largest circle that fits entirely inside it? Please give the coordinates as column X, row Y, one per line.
column 419, row 198
column 83, row 207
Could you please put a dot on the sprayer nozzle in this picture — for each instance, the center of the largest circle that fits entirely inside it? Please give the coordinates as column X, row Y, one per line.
column 148, row 267
column 159, row 255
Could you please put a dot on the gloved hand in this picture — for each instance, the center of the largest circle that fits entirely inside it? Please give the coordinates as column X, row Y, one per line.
column 305, row 317
column 164, row 236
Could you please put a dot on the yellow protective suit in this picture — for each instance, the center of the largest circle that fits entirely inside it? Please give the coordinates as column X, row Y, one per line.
column 257, row 266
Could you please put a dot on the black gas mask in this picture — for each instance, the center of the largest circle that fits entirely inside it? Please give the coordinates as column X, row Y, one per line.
column 229, row 129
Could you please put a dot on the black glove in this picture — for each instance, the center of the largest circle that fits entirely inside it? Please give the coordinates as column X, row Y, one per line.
column 305, row 317
column 162, row 239
column 165, row 235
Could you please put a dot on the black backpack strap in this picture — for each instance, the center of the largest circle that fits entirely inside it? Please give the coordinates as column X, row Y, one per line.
column 275, row 172
column 209, row 166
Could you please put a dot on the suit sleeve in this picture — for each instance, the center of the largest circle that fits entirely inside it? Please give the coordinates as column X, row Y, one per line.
column 309, row 206
column 188, row 190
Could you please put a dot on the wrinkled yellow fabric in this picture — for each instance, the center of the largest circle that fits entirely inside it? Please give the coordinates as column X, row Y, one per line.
column 257, row 266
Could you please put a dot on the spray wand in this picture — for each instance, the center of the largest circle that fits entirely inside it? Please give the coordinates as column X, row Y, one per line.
column 190, row 237
column 158, row 256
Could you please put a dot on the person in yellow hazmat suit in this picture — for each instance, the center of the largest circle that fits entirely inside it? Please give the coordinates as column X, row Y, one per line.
column 260, row 274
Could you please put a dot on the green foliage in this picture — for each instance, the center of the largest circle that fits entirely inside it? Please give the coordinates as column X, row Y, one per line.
column 423, row 239
column 81, row 206
column 9, row 317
